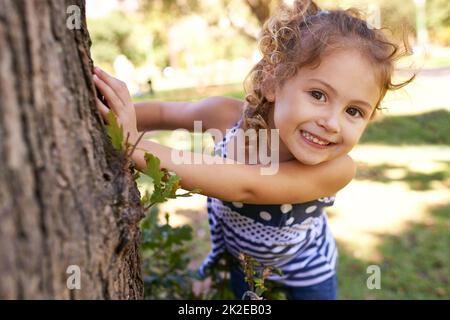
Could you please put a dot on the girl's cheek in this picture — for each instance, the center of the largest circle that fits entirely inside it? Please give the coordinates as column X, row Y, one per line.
column 353, row 138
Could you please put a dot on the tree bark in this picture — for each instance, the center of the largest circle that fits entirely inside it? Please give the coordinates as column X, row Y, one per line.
column 66, row 196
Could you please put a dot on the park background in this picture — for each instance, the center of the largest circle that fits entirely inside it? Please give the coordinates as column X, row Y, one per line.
column 395, row 214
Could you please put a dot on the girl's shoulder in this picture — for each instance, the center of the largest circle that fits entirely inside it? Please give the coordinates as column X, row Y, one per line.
column 228, row 111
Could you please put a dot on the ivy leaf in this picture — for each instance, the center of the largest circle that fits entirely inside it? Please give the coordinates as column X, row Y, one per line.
column 114, row 131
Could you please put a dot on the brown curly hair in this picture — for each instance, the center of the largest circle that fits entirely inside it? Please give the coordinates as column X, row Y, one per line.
column 297, row 36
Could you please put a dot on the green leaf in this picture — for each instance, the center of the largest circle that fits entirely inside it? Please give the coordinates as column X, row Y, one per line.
column 114, row 131
column 152, row 170
column 183, row 233
column 165, row 183
column 171, row 187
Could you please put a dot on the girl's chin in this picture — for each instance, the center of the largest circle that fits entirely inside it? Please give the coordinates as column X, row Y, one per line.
column 309, row 161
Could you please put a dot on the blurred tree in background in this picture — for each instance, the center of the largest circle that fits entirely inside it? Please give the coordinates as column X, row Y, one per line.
column 147, row 34
column 438, row 16
column 188, row 33
column 119, row 33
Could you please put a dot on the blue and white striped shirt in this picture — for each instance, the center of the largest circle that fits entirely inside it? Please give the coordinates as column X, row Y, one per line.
column 292, row 237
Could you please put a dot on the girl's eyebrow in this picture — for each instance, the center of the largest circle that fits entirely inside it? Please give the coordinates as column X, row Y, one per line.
column 333, row 90
column 363, row 104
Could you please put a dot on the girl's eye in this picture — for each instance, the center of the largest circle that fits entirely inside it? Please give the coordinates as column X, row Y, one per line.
column 354, row 112
column 318, row 95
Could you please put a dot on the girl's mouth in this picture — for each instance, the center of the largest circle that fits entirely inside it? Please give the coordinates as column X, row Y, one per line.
column 314, row 141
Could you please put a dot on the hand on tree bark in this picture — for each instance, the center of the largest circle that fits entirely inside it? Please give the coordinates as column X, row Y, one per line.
column 119, row 100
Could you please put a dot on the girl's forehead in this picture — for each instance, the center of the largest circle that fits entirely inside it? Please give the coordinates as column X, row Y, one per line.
column 345, row 62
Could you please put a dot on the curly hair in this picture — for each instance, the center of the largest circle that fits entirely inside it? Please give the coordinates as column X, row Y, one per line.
column 298, row 36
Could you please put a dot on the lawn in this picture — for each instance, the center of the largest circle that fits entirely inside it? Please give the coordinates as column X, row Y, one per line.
column 414, row 264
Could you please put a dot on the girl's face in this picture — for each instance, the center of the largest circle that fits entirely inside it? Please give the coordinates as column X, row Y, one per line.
column 321, row 113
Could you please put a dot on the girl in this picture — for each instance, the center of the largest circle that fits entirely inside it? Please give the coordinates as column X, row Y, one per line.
column 321, row 79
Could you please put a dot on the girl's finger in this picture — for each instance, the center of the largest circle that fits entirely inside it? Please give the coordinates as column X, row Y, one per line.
column 104, row 110
column 113, row 100
column 118, row 86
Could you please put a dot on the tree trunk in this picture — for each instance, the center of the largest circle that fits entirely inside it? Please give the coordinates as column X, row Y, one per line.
column 66, row 196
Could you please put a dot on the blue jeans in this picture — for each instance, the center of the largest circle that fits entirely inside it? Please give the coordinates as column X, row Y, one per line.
column 326, row 290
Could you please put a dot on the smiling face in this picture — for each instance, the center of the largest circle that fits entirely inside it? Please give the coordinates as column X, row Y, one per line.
column 322, row 112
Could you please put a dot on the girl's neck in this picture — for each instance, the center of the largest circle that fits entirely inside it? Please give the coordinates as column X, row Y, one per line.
column 284, row 153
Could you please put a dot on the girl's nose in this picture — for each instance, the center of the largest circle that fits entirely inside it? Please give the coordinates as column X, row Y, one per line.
column 330, row 123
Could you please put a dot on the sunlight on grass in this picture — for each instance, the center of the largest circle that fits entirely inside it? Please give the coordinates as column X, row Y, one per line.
column 384, row 198
column 365, row 212
column 413, row 264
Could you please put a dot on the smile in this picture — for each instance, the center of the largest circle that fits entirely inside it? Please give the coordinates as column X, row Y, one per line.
column 314, row 140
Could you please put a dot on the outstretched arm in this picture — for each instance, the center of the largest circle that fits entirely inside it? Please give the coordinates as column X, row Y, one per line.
column 231, row 181
column 214, row 112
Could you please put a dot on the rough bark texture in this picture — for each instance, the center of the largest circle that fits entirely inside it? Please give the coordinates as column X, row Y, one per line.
column 66, row 197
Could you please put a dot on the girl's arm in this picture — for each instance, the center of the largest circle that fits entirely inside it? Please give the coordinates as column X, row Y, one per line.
column 233, row 181
column 212, row 111
column 293, row 182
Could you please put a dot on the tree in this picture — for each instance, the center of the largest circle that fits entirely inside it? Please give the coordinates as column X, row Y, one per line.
column 67, row 201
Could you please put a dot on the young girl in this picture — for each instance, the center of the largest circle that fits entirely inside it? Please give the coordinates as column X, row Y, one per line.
column 320, row 80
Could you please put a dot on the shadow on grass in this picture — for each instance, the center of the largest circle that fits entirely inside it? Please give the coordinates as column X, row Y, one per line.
column 415, row 264
column 416, row 180
column 426, row 128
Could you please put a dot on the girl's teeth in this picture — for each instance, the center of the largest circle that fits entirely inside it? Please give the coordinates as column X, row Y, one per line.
column 314, row 139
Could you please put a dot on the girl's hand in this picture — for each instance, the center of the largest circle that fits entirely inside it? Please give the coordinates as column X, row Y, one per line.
column 118, row 98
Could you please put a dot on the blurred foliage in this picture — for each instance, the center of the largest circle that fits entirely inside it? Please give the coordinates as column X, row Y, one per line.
column 196, row 28
column 165, row 259
column 118, row 34
column 206, row 31
column 400, row 16
column 174, row 8
column 166, row 254
column 438, row 15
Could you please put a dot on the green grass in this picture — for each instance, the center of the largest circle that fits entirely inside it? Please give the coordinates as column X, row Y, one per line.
column 193, row 94
column 415, row 264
